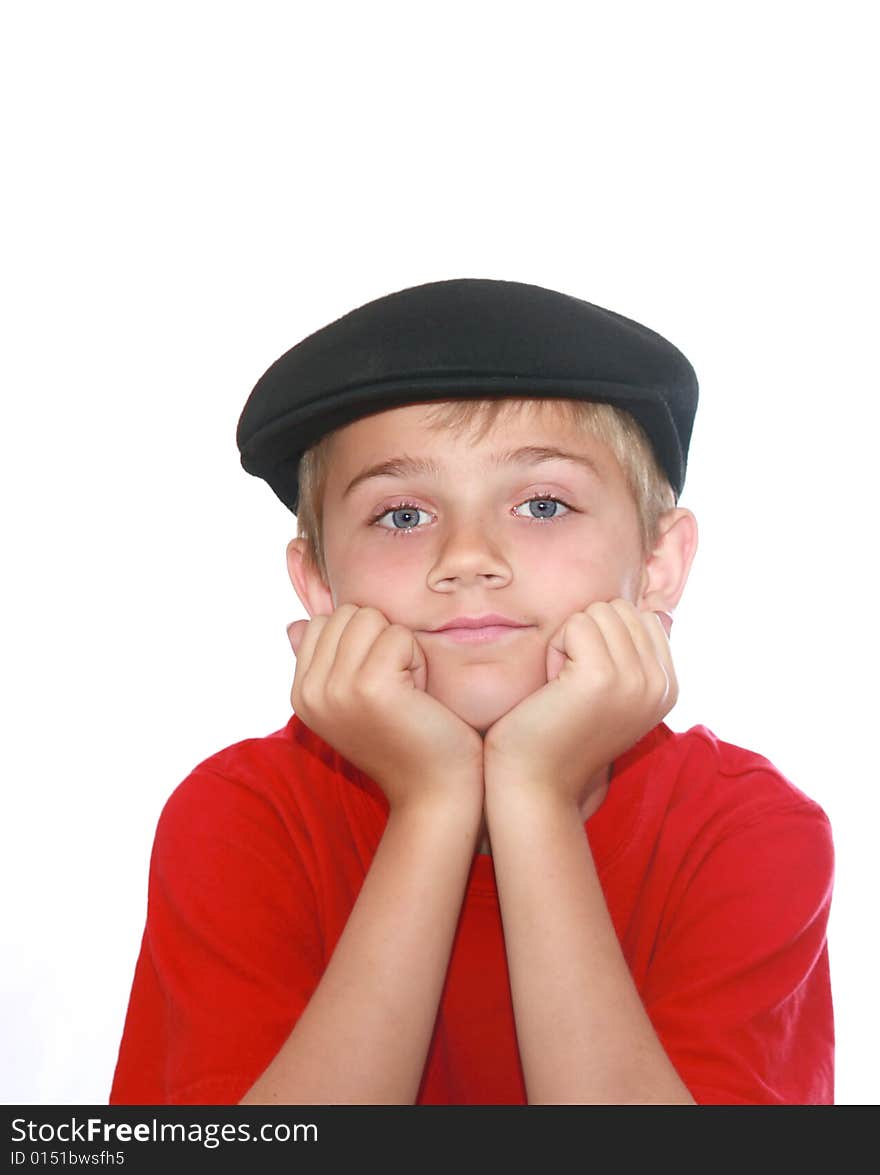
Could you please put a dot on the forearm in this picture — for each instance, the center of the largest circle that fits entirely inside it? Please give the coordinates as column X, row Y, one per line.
column 364, row 1036
column 584, row 1036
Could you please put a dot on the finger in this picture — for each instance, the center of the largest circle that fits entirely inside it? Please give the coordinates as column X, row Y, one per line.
column 665, row 619
column 355, row 643
column 635, row 623
column 396, row 656
column 308, row 639
column 295, row 631
column 655, row 627
column 649, row 636
column 303, row 636
column 626, row 646
column 578, row 644
column 320, row 647
column 656, row 631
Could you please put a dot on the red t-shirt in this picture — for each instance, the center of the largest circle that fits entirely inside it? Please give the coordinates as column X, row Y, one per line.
column 717, row 872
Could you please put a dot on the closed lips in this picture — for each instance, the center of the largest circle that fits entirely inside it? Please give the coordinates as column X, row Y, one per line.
column 490, row 621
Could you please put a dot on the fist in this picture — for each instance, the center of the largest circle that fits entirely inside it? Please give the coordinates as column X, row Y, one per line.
column 360, row 684
column 610, row 679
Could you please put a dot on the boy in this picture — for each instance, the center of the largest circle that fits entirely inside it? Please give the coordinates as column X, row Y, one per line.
column 476, row 866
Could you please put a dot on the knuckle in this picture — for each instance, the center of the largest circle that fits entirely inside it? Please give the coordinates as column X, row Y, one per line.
column 315, row 628
column 397, row 631
column 343, row 616
column 656, row 683
column 581, row 624
column 366, row 687
column 597, row 608
column 664, row 690
column 368, row 615
column 309, row 696
column 336, row 692
column 365, row 627
column 374, row 613
column 601, row 677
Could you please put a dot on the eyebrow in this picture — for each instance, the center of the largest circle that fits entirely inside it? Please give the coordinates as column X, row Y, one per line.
column 405, row 466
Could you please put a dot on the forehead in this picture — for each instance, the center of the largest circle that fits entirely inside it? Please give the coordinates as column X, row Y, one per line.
column 389, row 433
column 415, row 441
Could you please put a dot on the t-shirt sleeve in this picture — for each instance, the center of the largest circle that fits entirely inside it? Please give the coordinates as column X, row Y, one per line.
column 738, row 989
column 231, row 952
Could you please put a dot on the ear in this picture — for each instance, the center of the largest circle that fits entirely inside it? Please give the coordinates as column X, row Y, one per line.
column 668, row 566
column 313, row 593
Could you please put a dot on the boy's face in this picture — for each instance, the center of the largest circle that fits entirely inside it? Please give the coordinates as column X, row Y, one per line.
column 472, row 538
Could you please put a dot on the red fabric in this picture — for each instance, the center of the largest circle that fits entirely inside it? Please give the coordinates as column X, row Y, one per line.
column 717, row 872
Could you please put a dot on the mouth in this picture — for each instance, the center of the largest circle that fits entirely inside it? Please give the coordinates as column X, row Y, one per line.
column 481, row 635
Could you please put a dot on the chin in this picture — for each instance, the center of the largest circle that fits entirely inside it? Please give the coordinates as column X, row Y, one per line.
column 479, row 707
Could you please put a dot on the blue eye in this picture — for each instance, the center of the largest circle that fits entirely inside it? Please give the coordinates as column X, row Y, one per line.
column 404, row 512
column 548, row 509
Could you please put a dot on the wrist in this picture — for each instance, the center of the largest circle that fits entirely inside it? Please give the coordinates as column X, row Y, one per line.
column 527, row 796
column 434, row 790
column 455, row 803
column 533, row 796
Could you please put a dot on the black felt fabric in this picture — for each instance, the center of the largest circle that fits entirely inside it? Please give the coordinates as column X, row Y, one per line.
column 459, row 339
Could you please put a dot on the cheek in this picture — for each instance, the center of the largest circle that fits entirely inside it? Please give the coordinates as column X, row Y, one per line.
column 389, row 573
column 372, row 574
column 563, row 586
column 574, row 575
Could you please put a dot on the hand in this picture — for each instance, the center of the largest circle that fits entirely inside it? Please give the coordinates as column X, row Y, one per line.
column 610, row 679
column 360, row 684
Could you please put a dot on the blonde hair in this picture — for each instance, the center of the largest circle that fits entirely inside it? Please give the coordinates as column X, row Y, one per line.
column 617, row 428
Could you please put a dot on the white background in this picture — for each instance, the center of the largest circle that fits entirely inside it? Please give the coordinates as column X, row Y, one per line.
column 190, row 188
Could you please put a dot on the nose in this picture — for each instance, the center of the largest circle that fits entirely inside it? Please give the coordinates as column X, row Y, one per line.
column 470, row 554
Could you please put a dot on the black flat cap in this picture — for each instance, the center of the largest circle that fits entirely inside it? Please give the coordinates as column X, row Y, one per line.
column 464, row 339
